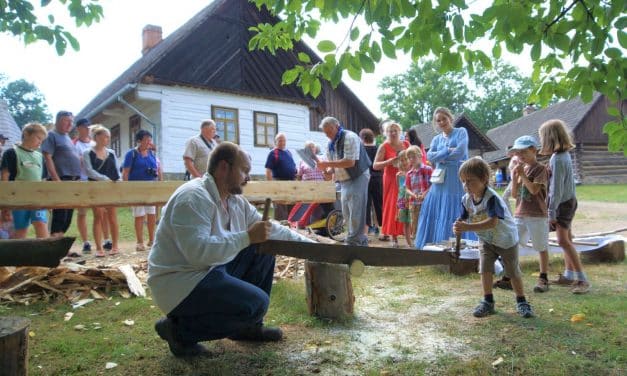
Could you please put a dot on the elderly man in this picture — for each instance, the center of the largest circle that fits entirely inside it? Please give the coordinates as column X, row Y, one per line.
column 62, row 163
column 203, row 270
column 349, row 161
column 280, row 165
column 198, row 148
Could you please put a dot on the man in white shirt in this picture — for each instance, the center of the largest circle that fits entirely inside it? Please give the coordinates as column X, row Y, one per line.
column 203, row 270
column 198, row 148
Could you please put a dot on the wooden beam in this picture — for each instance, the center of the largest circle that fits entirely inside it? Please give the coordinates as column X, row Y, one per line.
column 67, row 194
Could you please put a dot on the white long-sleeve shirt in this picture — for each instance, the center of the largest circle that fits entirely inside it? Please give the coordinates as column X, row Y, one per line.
column 196, row 234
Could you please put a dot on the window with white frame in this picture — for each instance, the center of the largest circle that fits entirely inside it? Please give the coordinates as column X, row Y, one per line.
column 227, row 123
column 266, row 127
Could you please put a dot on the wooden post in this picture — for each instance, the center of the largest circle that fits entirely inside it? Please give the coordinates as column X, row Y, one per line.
column 14, row 346
column 329, row 290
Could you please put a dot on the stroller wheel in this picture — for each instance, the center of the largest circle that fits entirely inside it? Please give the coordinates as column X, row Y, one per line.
column 336, row 227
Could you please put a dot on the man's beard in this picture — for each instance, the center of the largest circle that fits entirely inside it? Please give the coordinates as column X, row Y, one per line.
column 237, row 189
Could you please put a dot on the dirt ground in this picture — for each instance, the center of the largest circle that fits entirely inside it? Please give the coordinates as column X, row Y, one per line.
column 378, row 331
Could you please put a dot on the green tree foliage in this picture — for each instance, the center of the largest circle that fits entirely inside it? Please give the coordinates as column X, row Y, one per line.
column 25, row 102
column 577, row 46
column 22, row 19
column 500, row 96
column 411, row 97
column 490, row 97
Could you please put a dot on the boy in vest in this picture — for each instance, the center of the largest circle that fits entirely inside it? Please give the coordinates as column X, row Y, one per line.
column 24, row 163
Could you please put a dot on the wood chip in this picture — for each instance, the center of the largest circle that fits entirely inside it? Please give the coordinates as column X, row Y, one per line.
column 70, row 282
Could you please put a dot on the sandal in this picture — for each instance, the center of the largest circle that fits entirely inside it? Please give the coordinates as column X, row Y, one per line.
column 139, row 247
column 100, row 254
column 114, row 252
column 384, row 238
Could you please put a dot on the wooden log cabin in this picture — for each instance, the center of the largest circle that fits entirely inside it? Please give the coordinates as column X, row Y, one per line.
column 593, row 163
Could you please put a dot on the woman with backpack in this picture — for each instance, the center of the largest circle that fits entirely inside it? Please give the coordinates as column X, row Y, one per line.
column 140, row 164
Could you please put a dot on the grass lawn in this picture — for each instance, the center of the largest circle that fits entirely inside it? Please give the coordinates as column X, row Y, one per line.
column 405, row 310
column 603, row 193
column 408, row 321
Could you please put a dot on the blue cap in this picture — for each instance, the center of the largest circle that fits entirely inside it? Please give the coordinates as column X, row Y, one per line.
column 82, row 122
column 525, row 142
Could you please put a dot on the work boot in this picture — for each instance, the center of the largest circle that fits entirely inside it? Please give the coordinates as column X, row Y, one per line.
column 164, row 327
column 258, row 333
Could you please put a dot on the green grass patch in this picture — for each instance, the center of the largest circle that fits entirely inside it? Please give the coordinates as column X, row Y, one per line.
column 546, row 345
column 602, row 192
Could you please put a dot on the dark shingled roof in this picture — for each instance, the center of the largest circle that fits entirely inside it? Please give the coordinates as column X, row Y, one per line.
column 572, row 112
column 477, row 139
column 210, row 51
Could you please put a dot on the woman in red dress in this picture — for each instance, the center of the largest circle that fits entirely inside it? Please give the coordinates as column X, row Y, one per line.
column 385, row 160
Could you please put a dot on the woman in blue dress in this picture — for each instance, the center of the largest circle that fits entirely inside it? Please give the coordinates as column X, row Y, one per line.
column 442, row 206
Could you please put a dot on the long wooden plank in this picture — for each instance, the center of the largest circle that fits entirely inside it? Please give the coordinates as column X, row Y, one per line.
column 47, row 194
column 346, row 254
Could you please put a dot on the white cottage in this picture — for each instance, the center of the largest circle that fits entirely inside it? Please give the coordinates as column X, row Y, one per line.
column 8, row 126
column 205, row 70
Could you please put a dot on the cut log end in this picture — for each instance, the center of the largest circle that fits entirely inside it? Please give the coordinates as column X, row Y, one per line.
column 14, row 345
column 329, row 290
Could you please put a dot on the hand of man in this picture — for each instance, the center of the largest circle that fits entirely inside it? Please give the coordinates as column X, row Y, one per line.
column 259, row 232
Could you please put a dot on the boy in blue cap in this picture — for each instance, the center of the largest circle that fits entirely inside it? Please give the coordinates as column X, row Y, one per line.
column 529, row 188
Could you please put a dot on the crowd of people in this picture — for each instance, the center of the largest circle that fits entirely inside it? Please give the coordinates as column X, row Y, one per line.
column 204, row 247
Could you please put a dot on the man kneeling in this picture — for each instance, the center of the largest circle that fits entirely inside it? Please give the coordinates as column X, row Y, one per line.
column 203, row 270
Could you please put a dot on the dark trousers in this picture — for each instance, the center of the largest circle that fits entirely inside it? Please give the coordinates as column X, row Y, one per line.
column 62, row 218
column 375, row 200
column 230, row 298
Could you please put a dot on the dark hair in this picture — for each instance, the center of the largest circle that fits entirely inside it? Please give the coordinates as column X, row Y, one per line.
column 225, row 151
column 141, row 134
column 413, row 138
column 82, row 121
column 367, row 135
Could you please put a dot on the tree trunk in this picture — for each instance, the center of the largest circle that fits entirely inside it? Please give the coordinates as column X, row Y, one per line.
column 329, row 290
column 14, row 346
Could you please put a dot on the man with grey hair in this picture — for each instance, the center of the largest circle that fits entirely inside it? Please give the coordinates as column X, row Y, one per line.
column 350, row 163
column 198, row 148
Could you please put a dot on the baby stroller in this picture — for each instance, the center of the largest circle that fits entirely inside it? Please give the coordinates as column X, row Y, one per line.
column 324, row 219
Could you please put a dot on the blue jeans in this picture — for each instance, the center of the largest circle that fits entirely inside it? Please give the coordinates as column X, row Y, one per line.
column 230, row 298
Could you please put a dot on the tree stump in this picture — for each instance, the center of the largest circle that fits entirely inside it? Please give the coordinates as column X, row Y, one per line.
column 14, row 346
column 329, row 290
